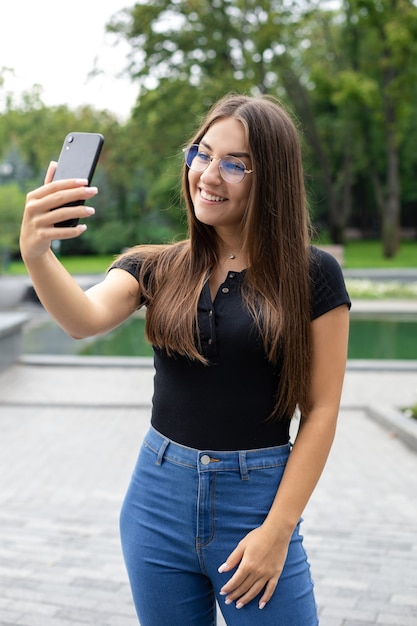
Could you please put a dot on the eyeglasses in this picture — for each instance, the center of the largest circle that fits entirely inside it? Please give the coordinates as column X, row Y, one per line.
column 232, row 169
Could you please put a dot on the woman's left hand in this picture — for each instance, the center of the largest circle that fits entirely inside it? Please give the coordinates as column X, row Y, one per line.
column 259, row 559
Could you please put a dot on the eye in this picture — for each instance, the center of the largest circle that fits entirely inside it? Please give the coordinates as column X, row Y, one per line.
column 202, row 156
column 233, row 166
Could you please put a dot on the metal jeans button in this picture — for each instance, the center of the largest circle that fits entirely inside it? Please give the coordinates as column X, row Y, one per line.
column 205, row 459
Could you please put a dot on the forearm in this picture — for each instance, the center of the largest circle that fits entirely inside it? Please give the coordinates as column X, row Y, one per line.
column 317, row 429
column 304, row 468
column 61, row 295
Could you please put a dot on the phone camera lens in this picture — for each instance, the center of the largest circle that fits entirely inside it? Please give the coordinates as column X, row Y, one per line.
column 70, row 139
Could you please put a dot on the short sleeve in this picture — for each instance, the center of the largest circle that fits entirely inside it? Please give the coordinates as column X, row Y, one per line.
column 129, row 263
column 328, row 289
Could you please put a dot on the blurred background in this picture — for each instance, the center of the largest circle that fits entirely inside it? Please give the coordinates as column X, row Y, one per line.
column 143, row 74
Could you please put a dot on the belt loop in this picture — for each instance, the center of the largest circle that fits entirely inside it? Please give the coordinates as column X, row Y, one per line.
column 164, row 446
column 243, row 467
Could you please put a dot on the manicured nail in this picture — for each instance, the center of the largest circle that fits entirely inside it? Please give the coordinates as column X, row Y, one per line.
column 239, row 605
column 81, row 181
column 82, row 227
column 262, row 605
column 228, row 601
column 90, row 210
column 91, row 191
column 222, row 568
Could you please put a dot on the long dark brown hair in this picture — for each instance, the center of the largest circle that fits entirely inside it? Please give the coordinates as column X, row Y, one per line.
column 275, row 232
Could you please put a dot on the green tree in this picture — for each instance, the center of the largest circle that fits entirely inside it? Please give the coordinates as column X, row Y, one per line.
column 386, row 57
column 209, row 48
column 31, row 135
column 344, row 71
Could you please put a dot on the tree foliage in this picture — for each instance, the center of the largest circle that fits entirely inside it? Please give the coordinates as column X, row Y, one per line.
column 346, row 71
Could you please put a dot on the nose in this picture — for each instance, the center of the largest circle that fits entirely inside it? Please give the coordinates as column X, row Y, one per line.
column 212, row 170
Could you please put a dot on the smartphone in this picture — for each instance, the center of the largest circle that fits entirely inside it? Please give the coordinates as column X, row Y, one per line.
column 78, row 159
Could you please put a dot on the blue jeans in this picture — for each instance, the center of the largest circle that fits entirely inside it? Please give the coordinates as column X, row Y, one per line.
column 184, row 513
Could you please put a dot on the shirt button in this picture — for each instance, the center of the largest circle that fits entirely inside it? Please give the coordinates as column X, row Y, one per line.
column 210, row 313
column 225, row 290
column 205, row 459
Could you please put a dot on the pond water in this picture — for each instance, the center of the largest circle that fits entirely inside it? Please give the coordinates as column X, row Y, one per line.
column 384, row 337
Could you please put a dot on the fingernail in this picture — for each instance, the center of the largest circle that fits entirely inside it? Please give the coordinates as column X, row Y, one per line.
column 222, row 568
column 82, row 227
column 91, row 191
column 81, row 181
column 262, row 605
column 223, row 593
column 239, row 605
column 228, row 601
column 90, row 210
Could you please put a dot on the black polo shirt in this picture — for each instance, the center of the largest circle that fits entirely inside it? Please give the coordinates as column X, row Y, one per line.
column 225, row 405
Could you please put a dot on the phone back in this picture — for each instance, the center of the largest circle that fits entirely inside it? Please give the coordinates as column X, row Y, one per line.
column 78, row 159
column 79, row 155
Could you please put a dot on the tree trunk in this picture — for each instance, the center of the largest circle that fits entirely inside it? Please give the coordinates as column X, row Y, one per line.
column 392, row 210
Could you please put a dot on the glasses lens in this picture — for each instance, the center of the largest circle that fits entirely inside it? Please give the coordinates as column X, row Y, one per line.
column 196, row 159
column 232, row 169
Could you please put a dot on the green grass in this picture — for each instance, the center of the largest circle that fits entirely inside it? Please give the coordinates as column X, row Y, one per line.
column 76, row 265
column 358, row 255
column 411, row 411
column 368, row 254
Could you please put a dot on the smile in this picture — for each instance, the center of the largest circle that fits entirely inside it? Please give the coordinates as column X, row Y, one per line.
column 210, row 197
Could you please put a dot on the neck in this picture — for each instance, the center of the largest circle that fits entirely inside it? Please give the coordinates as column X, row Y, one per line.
column 229, row 248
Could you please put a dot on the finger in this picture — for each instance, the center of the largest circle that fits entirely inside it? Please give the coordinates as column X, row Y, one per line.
column 68, row 232
column 63, row 214
column 254, row 590
column 50, row 172
column 245, row 593
column 66, row 191
column 268, row 593
column 77, row 185
column 247, row 597
column 232, row 560
column 68, row 199
column 236, row 586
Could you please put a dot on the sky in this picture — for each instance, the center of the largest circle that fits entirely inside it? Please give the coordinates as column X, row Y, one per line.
column 56, row 44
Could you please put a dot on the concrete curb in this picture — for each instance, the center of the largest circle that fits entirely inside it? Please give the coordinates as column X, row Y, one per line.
column 73, row 360
column 405, row 428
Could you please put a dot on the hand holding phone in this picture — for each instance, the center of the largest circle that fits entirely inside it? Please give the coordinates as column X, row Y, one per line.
column 78, row 159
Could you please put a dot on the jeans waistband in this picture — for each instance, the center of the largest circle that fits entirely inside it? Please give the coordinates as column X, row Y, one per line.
column 215, row 460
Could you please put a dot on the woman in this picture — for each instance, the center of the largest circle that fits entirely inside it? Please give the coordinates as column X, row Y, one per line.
column 248, row 322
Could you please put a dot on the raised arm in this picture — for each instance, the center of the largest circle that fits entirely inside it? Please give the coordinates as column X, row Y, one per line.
column 79, row 313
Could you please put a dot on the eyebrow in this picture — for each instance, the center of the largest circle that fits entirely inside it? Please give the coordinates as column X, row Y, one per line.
column 235, row 154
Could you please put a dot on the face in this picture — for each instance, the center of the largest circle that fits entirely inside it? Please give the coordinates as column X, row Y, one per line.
column 216, row 202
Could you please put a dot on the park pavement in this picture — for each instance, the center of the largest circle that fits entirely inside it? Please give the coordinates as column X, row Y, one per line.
column 70, row 430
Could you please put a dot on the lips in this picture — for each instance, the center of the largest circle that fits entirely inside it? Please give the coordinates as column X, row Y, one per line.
column 211, row 197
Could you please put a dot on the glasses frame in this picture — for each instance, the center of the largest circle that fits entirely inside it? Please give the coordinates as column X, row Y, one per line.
column 186, row 152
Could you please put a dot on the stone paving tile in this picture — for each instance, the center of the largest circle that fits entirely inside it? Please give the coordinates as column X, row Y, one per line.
column 360, row 528
column 66, row 454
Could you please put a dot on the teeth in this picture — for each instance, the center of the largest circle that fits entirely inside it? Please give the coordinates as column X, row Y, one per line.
column 211, row 198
